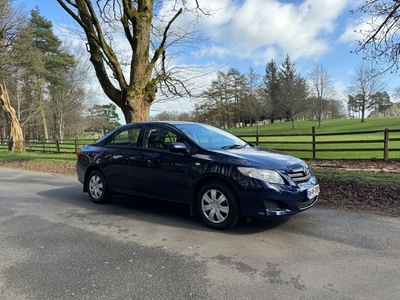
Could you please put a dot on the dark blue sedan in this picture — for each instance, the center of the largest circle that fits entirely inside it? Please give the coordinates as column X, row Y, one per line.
column 220, row 176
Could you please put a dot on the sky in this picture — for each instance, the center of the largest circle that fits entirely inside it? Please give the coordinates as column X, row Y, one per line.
column 246, row 34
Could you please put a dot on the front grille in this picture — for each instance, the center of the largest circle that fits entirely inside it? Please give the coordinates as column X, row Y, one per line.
column 300, row 176
column 306, row 203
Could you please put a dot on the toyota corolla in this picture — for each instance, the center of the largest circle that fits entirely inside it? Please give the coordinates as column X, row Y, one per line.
column 219, row 176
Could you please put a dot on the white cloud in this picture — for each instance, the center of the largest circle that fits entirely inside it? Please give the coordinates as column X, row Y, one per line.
column 355, row 29
column 259, row 29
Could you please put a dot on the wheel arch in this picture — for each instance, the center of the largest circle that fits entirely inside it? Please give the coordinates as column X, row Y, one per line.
column 203, row 181
column 87, row 173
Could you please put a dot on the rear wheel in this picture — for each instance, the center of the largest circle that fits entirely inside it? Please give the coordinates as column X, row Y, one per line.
column 218, row 205
column 97, row 188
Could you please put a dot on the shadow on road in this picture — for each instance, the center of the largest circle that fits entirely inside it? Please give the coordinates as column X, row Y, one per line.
column 152, row 211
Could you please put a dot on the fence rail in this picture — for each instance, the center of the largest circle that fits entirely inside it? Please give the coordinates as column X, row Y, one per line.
column 373, row 144
column 53, row 146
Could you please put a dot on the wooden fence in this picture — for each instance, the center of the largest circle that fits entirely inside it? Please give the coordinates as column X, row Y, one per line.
column 380, row 144
column 374, row 144
column 53, row 146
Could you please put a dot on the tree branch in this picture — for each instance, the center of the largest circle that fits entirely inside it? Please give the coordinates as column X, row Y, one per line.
column 161, row 48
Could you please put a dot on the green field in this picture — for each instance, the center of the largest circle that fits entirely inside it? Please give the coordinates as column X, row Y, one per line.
column 297, row 141
column 328, row 126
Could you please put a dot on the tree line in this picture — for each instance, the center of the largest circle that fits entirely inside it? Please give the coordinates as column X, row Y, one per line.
column 282, row 94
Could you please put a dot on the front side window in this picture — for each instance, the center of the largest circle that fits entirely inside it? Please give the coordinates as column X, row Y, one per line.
column 127, row 137
column 159, row 138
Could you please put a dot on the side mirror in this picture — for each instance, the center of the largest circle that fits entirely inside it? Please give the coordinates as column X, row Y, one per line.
column 177, row 147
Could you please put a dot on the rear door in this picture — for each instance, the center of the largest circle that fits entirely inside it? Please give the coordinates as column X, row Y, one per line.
column 119, row 154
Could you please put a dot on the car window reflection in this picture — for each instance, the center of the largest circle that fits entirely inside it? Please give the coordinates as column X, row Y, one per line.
column 127, row 137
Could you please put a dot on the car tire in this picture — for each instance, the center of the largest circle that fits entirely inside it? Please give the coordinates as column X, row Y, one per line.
column 97, row 188
column 218, row 206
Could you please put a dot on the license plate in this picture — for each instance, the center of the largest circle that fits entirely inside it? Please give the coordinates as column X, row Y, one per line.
column 313, row 192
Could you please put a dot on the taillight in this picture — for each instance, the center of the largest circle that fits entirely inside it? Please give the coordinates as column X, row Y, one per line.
column 79, row 153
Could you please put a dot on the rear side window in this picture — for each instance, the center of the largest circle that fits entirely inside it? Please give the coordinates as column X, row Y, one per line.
column 127, row 137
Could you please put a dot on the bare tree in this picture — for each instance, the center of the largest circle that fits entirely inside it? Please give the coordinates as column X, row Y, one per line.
column 11, row 17
column 147, row 33
column 67, row 100
column 219, row 98
column 257, row 102
column 365, row 82
column 257, row 105
column 16, row 142
column 172, row 115
column 322, row 89
column 380, row 42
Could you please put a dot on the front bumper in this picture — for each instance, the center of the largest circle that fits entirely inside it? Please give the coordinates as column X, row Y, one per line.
column 273, row 200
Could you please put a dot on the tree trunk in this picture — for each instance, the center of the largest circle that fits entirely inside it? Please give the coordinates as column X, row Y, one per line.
column 44, row 122
column 16, row 142
column 362, row 113
column 136, row 108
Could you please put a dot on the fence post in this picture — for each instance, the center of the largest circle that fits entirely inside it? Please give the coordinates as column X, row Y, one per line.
column 386, row 145
column 257, row 139
column 58, row 146
column 76, row 144
column 314, row 154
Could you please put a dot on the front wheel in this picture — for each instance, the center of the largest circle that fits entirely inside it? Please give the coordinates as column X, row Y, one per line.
column 97, row 188
column 218, row 206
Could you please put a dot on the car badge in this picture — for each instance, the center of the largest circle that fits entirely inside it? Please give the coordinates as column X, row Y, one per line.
column 306, row 170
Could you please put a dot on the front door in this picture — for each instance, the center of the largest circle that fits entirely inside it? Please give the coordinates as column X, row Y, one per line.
column 161, row 173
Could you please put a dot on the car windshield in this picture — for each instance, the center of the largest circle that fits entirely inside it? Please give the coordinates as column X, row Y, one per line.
column 210, row 137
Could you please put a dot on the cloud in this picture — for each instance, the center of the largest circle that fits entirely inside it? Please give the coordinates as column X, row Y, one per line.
column 261, row 30
column 355, row 28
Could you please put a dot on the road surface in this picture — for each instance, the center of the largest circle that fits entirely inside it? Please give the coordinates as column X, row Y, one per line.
column 56, row 244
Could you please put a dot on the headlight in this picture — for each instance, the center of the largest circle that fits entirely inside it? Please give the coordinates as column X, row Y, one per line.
column 262, row 174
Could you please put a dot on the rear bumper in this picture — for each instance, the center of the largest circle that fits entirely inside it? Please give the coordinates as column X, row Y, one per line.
column 80, row 171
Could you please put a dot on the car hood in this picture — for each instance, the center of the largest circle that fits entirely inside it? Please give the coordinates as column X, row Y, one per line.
column 262, row 158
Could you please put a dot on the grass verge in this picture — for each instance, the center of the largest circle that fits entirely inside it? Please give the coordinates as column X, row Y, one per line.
column 361, row 177
column 16, row 156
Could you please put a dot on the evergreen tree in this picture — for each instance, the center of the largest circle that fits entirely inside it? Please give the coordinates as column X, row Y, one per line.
column 292, row 90
column 272, row 83
column 237, row 81
column 103, row 118
column 42, row 65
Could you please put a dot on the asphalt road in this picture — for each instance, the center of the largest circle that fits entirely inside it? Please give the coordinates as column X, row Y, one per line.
column 56, row 244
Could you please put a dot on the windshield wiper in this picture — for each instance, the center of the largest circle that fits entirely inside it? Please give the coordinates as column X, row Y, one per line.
column 234, row 146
